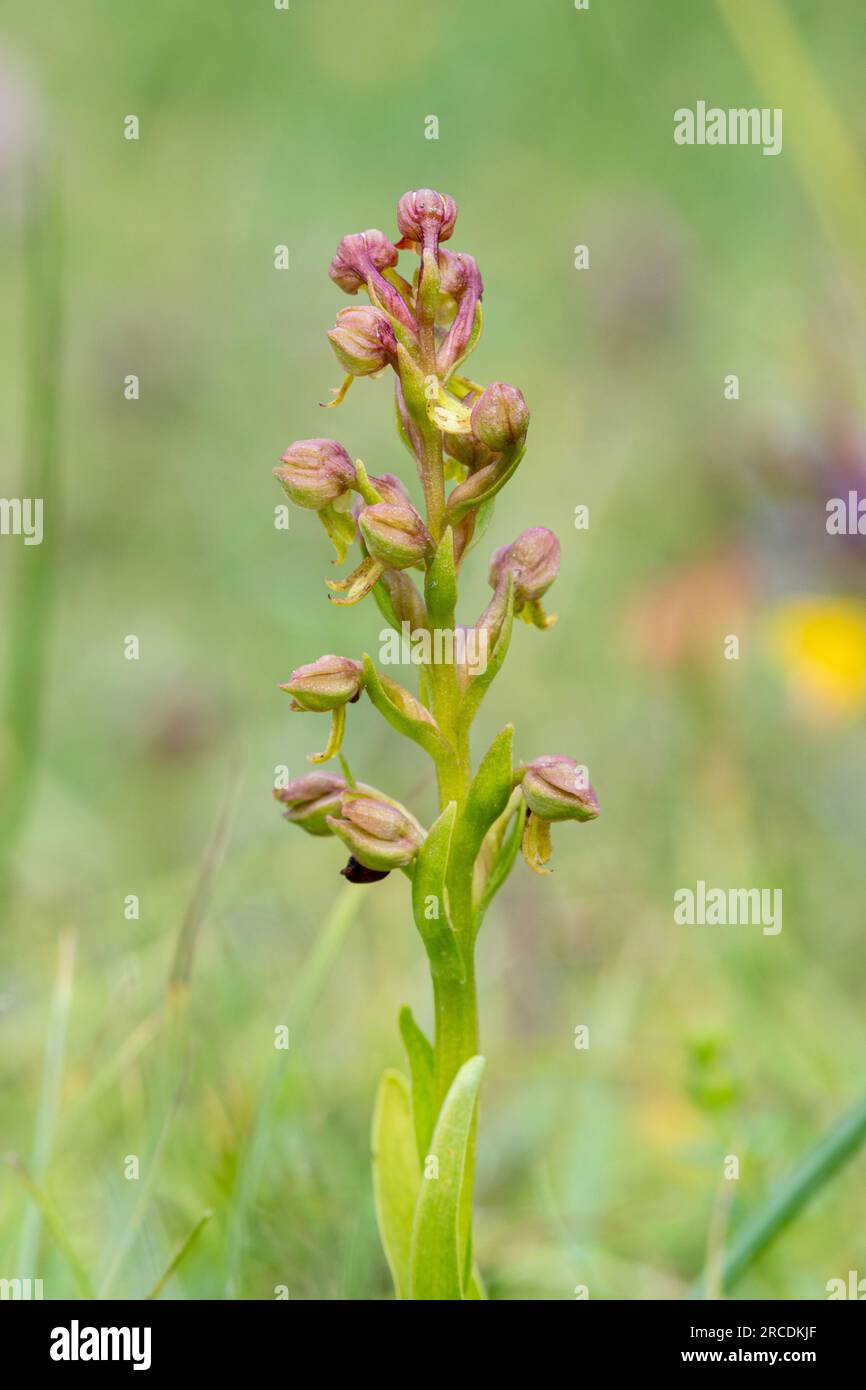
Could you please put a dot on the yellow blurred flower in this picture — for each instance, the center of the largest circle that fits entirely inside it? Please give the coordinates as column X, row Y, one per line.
column 820, row 643
column 668, row 1123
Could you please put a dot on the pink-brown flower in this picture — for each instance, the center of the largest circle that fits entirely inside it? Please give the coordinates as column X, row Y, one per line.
column 315, row 472
column 426, row 216
column 533, row 559
column 359, row 255
column 360, row 260
column 325, row 684
column 556, row 788
column 500, row 418
column 363, row 340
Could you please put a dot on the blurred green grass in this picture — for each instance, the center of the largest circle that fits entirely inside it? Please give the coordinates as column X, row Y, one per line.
column 259, row 128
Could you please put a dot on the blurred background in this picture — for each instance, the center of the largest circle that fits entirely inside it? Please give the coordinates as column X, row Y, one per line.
column 145, row 1030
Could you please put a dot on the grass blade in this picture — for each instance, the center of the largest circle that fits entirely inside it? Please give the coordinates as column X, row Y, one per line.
column 781, row 61
column 176, row 1050
column 819, row 1166
column 32, row 604
column 54, row 1226
column 180, row 1254
column 181, row 967
column 49, row 1101
column 315, row 971
column 151, row 1169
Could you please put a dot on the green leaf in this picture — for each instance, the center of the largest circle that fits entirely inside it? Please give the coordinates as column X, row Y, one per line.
column 498, row 479
column 436, row 1258
column 490, row 789
column 396, row 1174
column 483, row 518
column 364, row 486
column 347, row 773
column 472, row 341
column 478, row 685
column 401, row 427
column 404, row 713
column 421, row 1064
column 431, row 868
column 385, row 606
column 476, row 1291
column 399, row 600
column 487, row 798
column 440, row 586
column 509, row 838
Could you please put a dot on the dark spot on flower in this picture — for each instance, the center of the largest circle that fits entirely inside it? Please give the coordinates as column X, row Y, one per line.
column 359, row 873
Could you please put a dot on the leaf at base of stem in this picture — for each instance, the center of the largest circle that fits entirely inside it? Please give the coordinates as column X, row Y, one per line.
column 436, row 1257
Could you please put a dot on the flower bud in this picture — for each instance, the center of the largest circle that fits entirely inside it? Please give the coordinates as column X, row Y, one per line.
column 461, row 279
column 315, row 472
column 458, row 272
column 406, row 426
column 469, row 450
column 389, row 488
column 426, row 216
column 406, row 602
column 500, row 418
column 379, row 833
column 363, row 340
column 311, row 799
column 395, row 535
column 325, row 684
column 359, row 260
column 358, row 255
column 533, row 559
column 556, row 788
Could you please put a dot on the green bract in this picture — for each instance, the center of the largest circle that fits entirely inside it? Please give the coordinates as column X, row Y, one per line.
column 470, row 439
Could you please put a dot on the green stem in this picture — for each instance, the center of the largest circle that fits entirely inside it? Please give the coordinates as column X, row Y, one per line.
column 454, row 1001
column 456, row 1040
column 428, row 297
column 456, row 1014
column 456, row 1009
column 433, row 478
column 454, row 772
